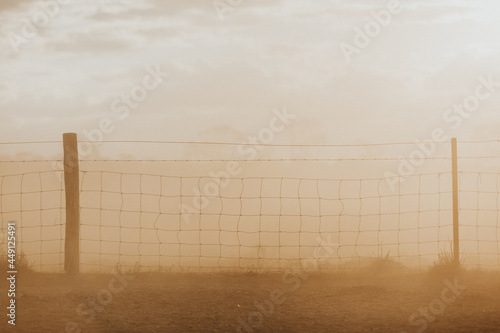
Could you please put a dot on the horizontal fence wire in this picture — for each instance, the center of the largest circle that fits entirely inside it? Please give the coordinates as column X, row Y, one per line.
column 251, row 160
column 230, row 143
column 240, row 160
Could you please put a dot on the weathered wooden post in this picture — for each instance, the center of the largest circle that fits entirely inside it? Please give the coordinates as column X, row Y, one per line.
column 72, row 186
column 456, row 234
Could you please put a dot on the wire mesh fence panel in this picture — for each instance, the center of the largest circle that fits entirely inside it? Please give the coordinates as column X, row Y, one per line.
column 261, row 222
column 35, row 201
column 182, row 214
column 479, row 219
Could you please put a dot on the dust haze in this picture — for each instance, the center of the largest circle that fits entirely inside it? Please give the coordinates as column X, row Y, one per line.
column 249, row 166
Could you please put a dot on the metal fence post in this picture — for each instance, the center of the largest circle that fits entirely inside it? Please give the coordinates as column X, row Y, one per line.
column 456, row 234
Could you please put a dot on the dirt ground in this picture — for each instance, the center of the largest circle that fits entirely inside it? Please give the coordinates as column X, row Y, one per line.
column 250, row 302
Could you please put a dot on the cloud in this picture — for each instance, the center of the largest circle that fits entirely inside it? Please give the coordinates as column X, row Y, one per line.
column 201, row 9
column 234, row 86
column 90, row 43
column 6, row 5
column 152, row 8
column 267, row 54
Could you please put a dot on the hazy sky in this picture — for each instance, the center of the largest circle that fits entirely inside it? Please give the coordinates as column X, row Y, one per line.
column 263, row 55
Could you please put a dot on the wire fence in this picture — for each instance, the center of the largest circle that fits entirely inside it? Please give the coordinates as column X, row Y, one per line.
column 35, row 200
column 181, row 214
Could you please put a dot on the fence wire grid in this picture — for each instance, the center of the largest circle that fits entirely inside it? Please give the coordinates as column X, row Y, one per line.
column 157, row 220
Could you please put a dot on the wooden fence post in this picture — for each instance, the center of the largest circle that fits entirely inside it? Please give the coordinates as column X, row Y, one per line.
column 72, row 186
column 456, row 234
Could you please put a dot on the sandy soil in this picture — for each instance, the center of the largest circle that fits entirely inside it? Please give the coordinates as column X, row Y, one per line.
column 249, row 302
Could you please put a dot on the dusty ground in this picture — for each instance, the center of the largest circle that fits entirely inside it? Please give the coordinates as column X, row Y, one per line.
column 334, row 302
